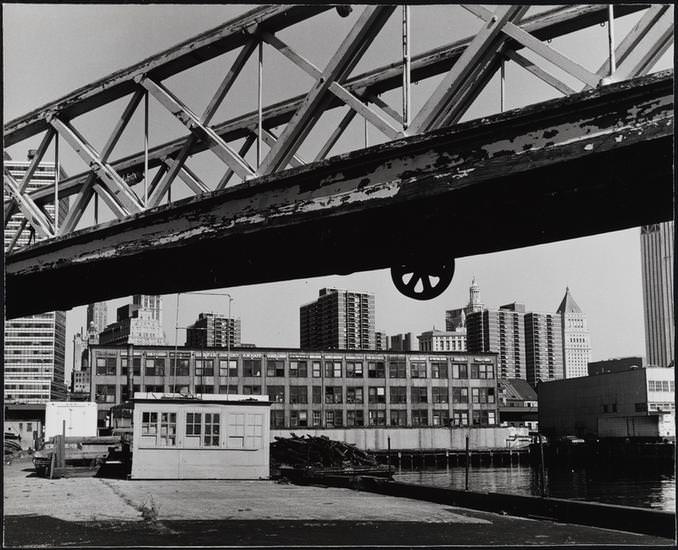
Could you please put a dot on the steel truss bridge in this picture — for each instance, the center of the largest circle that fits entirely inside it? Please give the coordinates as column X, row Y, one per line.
column 597, row 159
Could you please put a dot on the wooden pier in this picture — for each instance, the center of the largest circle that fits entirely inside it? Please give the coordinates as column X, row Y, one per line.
column 442, row 458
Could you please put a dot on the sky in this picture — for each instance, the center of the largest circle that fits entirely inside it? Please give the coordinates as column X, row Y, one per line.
column 50, row 50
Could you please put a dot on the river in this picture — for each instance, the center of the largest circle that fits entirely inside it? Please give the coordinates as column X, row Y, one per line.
column 626, row 486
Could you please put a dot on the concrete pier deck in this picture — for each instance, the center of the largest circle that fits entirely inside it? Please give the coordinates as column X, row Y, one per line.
column 118, row 512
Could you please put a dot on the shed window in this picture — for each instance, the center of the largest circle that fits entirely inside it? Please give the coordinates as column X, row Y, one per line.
column 168, row 429
column 193, row 423
column 212, row 421
column 149, row 423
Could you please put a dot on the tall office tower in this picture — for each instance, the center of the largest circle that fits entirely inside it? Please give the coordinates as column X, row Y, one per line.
column 543, row 347
column 213, row 331
column 575, row 336
column 656, row 250
column 501, row 331
column 456, row 318
column 97, row 316
column 338, row 319
column 405, row 341
column 35, row 346
column 443, row 340
column 138, row 323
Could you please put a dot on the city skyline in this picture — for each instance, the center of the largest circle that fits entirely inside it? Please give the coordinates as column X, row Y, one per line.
column 603, row 270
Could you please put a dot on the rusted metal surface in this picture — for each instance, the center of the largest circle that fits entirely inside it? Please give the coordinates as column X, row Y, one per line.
column 597, row 161
column 547, row 25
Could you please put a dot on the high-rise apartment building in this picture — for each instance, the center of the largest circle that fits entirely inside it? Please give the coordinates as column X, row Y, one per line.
column 35, row 346
column 656, row 250
column 213, row 331
column 338, row 319
column 575, row 337
column 543, row 347
column 501, row 331
column 97, row 316
column 138, row 323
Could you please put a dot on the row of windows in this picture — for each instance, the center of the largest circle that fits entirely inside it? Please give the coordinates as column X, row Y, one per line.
column 377, row 417
column 105, row 393
column 661, row 385
column 106, row 366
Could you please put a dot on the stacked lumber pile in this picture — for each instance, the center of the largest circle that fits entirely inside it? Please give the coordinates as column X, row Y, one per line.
column 318, row 453
column 12, row 444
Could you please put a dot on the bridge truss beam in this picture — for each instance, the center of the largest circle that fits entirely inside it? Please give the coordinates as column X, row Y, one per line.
column 298, row 114
column 597, row 161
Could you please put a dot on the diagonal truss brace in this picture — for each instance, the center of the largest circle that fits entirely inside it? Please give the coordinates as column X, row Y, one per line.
column 116, row 185
column 163, row 185
column 195, row 125
column 91, row 185
column 10, row 208
column 474, row 64
column 28, row 208
column 526, row 39
column 342, row 63
column 371, row 114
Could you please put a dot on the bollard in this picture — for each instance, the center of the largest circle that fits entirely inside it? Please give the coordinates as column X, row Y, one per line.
column 467, row 462
column 541, row 462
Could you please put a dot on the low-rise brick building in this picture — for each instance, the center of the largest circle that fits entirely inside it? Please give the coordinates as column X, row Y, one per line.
column 325, row 389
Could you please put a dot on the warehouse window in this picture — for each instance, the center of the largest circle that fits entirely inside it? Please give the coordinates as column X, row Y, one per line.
column 317, row 394
column 419, row 417
column 460, row 395
column 376, row 417
column 418, row 395
column 398, row 417
column 396, row 369
column 355, row 418
column 354, row 370
column 440, row 395
column 459, row 371
column 354, row 395
column 251, row 367
column 277, row 419
column 398, row 394
column 228, row 368
column 438, row 370
column 276, row 393
column 460, row 418
column 376, row 369
column 441, row 417
column 316, row 369
column 376, row 394
column 298, row 418
column 299, row 394
column 418, row 370
column 298, row 369
column 275, row 367
column 333, row 394
column 317, row 418
column 251, row 390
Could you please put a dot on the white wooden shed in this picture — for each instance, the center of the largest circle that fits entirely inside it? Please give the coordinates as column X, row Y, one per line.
column 202, row 437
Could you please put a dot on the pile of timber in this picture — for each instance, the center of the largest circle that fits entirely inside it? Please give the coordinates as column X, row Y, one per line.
column 310, row 456
column 12, row 444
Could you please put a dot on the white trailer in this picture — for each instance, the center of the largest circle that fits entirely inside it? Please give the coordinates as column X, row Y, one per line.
column 80, row 417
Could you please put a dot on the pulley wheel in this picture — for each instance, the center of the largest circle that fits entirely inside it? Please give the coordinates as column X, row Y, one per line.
column 423, row 281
